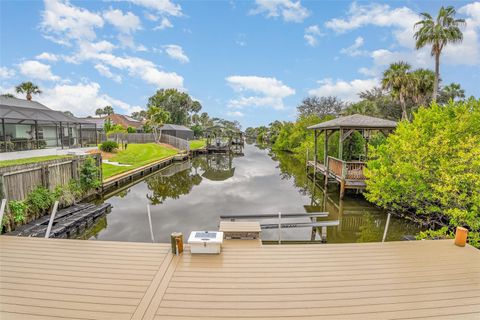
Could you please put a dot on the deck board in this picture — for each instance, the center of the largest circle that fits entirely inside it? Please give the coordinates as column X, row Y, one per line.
column 76, row 279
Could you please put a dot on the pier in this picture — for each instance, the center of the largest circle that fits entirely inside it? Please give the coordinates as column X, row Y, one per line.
column 58, row 278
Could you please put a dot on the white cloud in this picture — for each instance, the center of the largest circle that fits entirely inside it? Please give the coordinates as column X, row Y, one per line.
column 82, row 99
column 354, row 50
column 37, row 70
column 125, row 23
column 235, row 114
column 105, row 71
column 176, row 52
column 47, row 56
column 164, row 7
column 67, row 22
column 268, row 92
column 127, row 41
column 311, row 35
column 290, row 11
column 241, row 40
column 344, row 90
column 6, row 72
column 401, row 21
column 164, row 24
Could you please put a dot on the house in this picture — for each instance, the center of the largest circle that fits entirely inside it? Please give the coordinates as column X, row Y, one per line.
column 27, row 125
column 177, row 131
column 125, row 121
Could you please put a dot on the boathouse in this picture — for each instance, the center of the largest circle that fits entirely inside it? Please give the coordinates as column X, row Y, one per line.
column 349, row 174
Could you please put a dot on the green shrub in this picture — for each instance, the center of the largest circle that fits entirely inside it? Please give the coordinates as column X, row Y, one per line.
column 430, row 167
column 39, row 200
column 109, row 146
column 131, row 130
column 89, row 175
column 67, row 195
column 18, row 210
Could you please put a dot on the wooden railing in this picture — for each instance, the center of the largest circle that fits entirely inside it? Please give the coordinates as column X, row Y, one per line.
column 351, row 170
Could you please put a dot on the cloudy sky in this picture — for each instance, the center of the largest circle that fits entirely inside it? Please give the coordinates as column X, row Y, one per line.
column 248, row 61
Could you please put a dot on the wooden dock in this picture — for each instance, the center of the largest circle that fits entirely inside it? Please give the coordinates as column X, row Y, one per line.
column 349, row 174
column 75, row 279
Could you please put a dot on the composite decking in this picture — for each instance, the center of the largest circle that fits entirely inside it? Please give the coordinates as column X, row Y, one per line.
column 75, row 279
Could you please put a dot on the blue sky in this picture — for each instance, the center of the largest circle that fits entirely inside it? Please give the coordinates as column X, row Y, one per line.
column 251, row 61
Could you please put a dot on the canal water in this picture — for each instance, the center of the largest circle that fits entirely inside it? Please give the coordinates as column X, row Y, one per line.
column 193, row 195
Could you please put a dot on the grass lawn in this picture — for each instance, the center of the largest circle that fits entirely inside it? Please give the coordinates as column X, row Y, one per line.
column 136, row 155
column 197, row 144
column 15, row 162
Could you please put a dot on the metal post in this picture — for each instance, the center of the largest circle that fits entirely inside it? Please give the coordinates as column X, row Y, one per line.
column 80, row 126
column 56, row 132
column 279, row 228
column 386, row 228
column 61, row 134
column 150, row 223
column 36, row 133
column 52, row 217
column 4, row 135
column 68, row 135
column 2, row 210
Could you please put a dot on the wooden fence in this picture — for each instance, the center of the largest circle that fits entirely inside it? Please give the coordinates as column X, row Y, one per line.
column 145, row 138
column 17, row 181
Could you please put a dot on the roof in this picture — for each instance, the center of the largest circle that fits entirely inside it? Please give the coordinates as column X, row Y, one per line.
column 175, row 127
column 124, row 121
column 355, row 121
column 98, row 121
column 20, row 109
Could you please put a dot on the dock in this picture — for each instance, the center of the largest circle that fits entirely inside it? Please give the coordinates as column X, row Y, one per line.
column 76, row 279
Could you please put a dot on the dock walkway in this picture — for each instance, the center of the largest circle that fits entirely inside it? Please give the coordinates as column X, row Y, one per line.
column 75, row 279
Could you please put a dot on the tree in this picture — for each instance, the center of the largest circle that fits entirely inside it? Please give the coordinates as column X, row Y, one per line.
column 320, row 106
column 139, row 115
column 99, row 112
column 429, row 169
column 179, row 105
column 438, row 33
column 107, row 125
column 423, row 81
column 156, row 118
column 398, row 80
column 451, row 92
column 28, row 88
column 7, row 95
column 108, row 110
column 68, row 113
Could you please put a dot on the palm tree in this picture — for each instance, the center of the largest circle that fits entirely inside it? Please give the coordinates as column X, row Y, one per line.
column 438, row 33
column 398, row 81
column 28, row 88
column 99, row 112
column 451, row 92
column 108, row 110
column 423, row 82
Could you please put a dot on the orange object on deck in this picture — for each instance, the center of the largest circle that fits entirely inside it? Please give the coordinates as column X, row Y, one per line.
column 461, row 237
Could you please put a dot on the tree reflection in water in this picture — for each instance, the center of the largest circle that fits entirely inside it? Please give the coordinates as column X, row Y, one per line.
column 215, row 167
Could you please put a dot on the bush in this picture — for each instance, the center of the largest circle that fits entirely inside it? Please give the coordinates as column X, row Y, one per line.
column 89, row 175
column 429, row 169
column 18, row 211
column 131, row 130
column 109, row 146
column 39, row 200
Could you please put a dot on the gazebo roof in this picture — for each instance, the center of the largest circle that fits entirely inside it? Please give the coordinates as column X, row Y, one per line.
column 355, row 121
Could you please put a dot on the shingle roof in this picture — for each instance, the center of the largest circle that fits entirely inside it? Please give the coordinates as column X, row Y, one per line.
column 175, row 127
column 355, row 121
column 20, row 109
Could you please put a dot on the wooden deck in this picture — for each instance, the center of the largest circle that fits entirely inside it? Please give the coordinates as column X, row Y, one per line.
column 75, row 279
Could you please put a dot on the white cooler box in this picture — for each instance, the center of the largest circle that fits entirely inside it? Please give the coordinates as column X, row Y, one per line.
column 205, row 241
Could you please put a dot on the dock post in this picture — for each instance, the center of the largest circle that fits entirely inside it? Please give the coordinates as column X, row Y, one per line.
column 150, row 223
column 342, row 188
column 52, row 217
column 279, row 228
column 386, row 228
column 2, row 210
column 461, row 236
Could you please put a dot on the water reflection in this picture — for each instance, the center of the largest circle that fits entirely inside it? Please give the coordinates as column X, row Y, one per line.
column 193, row 195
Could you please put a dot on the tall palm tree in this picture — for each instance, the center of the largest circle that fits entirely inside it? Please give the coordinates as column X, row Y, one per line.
column 438, row 33
column 398, row 80
column 451, row 92
column 28, row 88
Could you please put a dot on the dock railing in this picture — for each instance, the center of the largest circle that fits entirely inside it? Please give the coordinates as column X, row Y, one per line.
column 350, row 170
